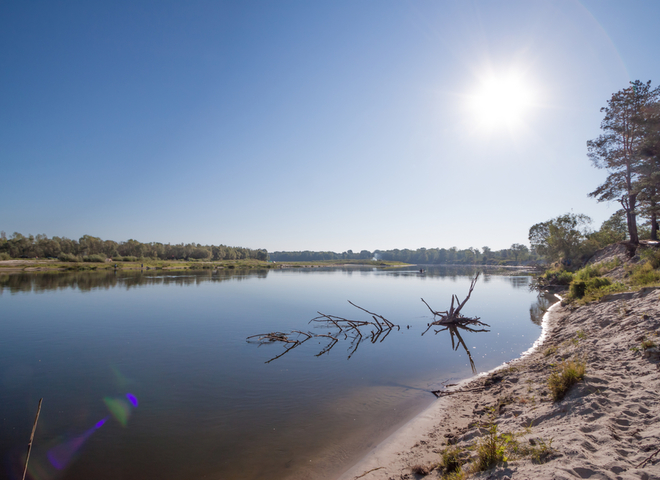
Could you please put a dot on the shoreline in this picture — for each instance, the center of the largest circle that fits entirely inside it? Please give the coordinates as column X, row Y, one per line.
column 605, row 427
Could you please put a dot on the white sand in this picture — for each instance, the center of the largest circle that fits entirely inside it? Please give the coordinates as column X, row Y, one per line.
column 606, row 426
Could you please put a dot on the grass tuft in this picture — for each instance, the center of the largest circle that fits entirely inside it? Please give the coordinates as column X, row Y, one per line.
column 566, row 375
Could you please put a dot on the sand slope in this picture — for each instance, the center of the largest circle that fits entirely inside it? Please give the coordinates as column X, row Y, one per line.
column 605, row 428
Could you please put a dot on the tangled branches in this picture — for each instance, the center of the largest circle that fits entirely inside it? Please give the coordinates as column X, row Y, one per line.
column 453, row 317
column 354, row 330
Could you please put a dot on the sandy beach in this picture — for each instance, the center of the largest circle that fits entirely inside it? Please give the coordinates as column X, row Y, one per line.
column 606, row 427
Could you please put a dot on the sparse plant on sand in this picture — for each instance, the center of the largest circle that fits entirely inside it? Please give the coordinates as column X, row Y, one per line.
column 567, row 374
column 648, row 343
column 491, row 450
column 451, row 460
column 550, row 351
column 540, row 450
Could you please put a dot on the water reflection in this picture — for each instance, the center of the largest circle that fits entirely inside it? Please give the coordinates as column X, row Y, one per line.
column 536, row 311
column 39, row 282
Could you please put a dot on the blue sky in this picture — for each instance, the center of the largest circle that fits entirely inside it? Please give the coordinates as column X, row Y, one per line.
column 310, row 125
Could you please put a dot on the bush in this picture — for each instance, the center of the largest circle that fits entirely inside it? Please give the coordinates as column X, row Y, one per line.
column 558, row 276
column 587, row 281
column 94, row 258
column 564, row 377
column 68, row 257
column 5, row 256
column 584, row 274
column 644, row 274
column 129, row 259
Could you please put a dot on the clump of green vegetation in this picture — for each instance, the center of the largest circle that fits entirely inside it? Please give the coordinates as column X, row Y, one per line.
column 557, row 276
column 587, row 280
column 68, row 257
column 567, row 374
column 581, row 335
column 491, row 450
column 5, row 256
column 550, row 351
column 644, row 274
column 451, row 459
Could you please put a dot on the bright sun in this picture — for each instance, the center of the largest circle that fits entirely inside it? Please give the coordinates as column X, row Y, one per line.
column 501, row 102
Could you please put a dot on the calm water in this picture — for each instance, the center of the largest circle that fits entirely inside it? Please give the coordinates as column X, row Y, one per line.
column 149, row 375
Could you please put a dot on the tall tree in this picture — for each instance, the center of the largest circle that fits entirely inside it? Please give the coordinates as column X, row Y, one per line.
column 650, row 167
column 619, row 149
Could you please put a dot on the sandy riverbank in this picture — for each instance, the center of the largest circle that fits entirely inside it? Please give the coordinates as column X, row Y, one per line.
column 607, row 426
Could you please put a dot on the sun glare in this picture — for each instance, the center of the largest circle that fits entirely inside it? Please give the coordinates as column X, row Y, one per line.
column 501, row 102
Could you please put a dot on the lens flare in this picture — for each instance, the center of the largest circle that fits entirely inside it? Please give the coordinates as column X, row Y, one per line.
column 119, row 408
column 132, row 398
column 60, row 455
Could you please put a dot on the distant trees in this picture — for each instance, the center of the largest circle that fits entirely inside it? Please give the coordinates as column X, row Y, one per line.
column 627, row 150
column 87, row 247
column 428, row 256
column 562, row 238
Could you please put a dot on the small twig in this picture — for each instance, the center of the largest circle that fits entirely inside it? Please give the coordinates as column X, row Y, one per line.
column 34, row 427
column 368, row 471
column 648, row 458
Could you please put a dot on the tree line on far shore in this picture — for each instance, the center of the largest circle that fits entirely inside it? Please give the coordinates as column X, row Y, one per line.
column 629, row 150
column 94, row 249
column 517, row 254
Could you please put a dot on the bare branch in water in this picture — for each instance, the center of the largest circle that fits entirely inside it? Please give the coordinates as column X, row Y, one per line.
column 378, row 330
column 453, row 317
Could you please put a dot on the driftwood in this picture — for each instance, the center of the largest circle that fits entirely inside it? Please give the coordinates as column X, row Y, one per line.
column 376, row 330
column 453, row 320
column 453, row 316
column 356, row 331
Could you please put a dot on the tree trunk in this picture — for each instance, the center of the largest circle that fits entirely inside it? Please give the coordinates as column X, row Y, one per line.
column 629, row 204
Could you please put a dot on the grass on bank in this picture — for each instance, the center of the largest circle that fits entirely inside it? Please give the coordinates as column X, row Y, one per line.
column 567, row 374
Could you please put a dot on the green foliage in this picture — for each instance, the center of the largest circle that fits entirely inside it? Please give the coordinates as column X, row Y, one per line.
column 644, row 274
column 451, row 459
column 491, row 450
column 558, row 276
column 68, row 257
column 5, row 256
column 94, row 258
column 611, row 231
column 567, row 374
column 587, row 282
column 41, row 246
column 562, row 239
